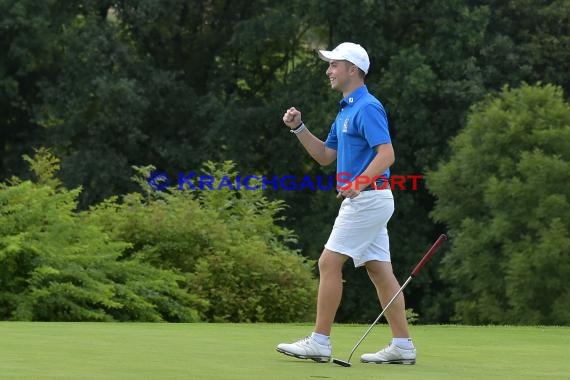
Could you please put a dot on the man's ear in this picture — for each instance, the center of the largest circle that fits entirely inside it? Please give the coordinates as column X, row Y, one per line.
column 353, row 69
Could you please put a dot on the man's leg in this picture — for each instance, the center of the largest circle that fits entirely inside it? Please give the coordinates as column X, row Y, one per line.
column 317, row 346
column 401, row 350
column 381, row 274
column 330, row 290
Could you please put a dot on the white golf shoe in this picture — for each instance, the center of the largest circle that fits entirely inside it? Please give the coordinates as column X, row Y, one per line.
column 307, row 348
column 391, row 355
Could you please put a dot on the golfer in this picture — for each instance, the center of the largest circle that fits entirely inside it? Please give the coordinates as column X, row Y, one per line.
column 360, row 142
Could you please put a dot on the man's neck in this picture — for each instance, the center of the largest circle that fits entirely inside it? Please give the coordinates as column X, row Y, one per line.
column 352, row 86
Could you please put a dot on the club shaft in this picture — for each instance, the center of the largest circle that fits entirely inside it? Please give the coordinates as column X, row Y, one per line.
column 379, row 316
column 441, row 239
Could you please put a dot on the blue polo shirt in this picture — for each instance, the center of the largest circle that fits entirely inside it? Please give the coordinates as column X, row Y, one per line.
column 360, row 126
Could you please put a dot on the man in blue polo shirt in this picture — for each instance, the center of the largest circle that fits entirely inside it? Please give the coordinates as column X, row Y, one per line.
column 360, row 142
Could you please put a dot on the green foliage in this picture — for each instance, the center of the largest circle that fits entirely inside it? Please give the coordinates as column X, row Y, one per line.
column 171, row 256
column 411, row 316
column 226, row 242
column 56, row 267
column 505, row 196
column 86, row 106
column 44, row 165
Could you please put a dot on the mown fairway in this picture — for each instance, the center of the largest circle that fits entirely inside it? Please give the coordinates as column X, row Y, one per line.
column 37, row 351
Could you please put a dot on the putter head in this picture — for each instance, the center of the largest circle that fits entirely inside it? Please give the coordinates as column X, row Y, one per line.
column 342, row 363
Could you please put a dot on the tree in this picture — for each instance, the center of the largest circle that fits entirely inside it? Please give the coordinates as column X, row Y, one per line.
column 504, row 195
column 28, row 43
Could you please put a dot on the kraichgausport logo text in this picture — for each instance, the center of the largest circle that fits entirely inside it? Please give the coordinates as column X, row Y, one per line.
column 342, row 181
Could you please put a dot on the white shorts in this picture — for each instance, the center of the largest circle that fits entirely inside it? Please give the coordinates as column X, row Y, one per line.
column 360, row 229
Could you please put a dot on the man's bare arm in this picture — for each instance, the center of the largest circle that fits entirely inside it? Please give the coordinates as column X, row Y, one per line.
column 312, row 144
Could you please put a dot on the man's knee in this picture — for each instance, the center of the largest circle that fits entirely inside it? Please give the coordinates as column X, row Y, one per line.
column 378, row 267
column 380, row 271
column 331, row 261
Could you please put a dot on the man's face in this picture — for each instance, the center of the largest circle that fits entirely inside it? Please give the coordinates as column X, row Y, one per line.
column 339, row 74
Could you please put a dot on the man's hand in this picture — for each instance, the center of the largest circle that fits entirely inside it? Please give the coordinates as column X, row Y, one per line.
column 292, row 118
column 350, row 193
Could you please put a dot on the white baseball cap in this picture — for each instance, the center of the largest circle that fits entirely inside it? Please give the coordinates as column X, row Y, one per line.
column 348, row 51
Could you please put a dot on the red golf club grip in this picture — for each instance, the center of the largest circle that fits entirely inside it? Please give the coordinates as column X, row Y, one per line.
column 429, row 254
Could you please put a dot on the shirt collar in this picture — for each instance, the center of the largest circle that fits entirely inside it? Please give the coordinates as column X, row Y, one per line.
column 353, row 97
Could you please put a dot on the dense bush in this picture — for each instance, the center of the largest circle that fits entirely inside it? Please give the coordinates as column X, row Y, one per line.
column 176, row 256
column 56, row 267
column 227, row 242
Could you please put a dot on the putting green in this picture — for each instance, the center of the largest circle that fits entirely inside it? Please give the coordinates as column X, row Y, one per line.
column 247, row 351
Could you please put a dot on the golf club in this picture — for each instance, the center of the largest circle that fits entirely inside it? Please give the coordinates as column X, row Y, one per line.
column 416, row 270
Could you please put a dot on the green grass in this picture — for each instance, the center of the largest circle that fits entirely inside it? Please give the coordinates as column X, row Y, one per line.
column 247, row 351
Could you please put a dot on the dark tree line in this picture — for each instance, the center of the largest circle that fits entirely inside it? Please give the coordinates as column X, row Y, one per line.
column 108, row 85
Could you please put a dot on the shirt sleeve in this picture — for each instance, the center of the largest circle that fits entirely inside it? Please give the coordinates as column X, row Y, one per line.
column 332, row 139
column 373, row 125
